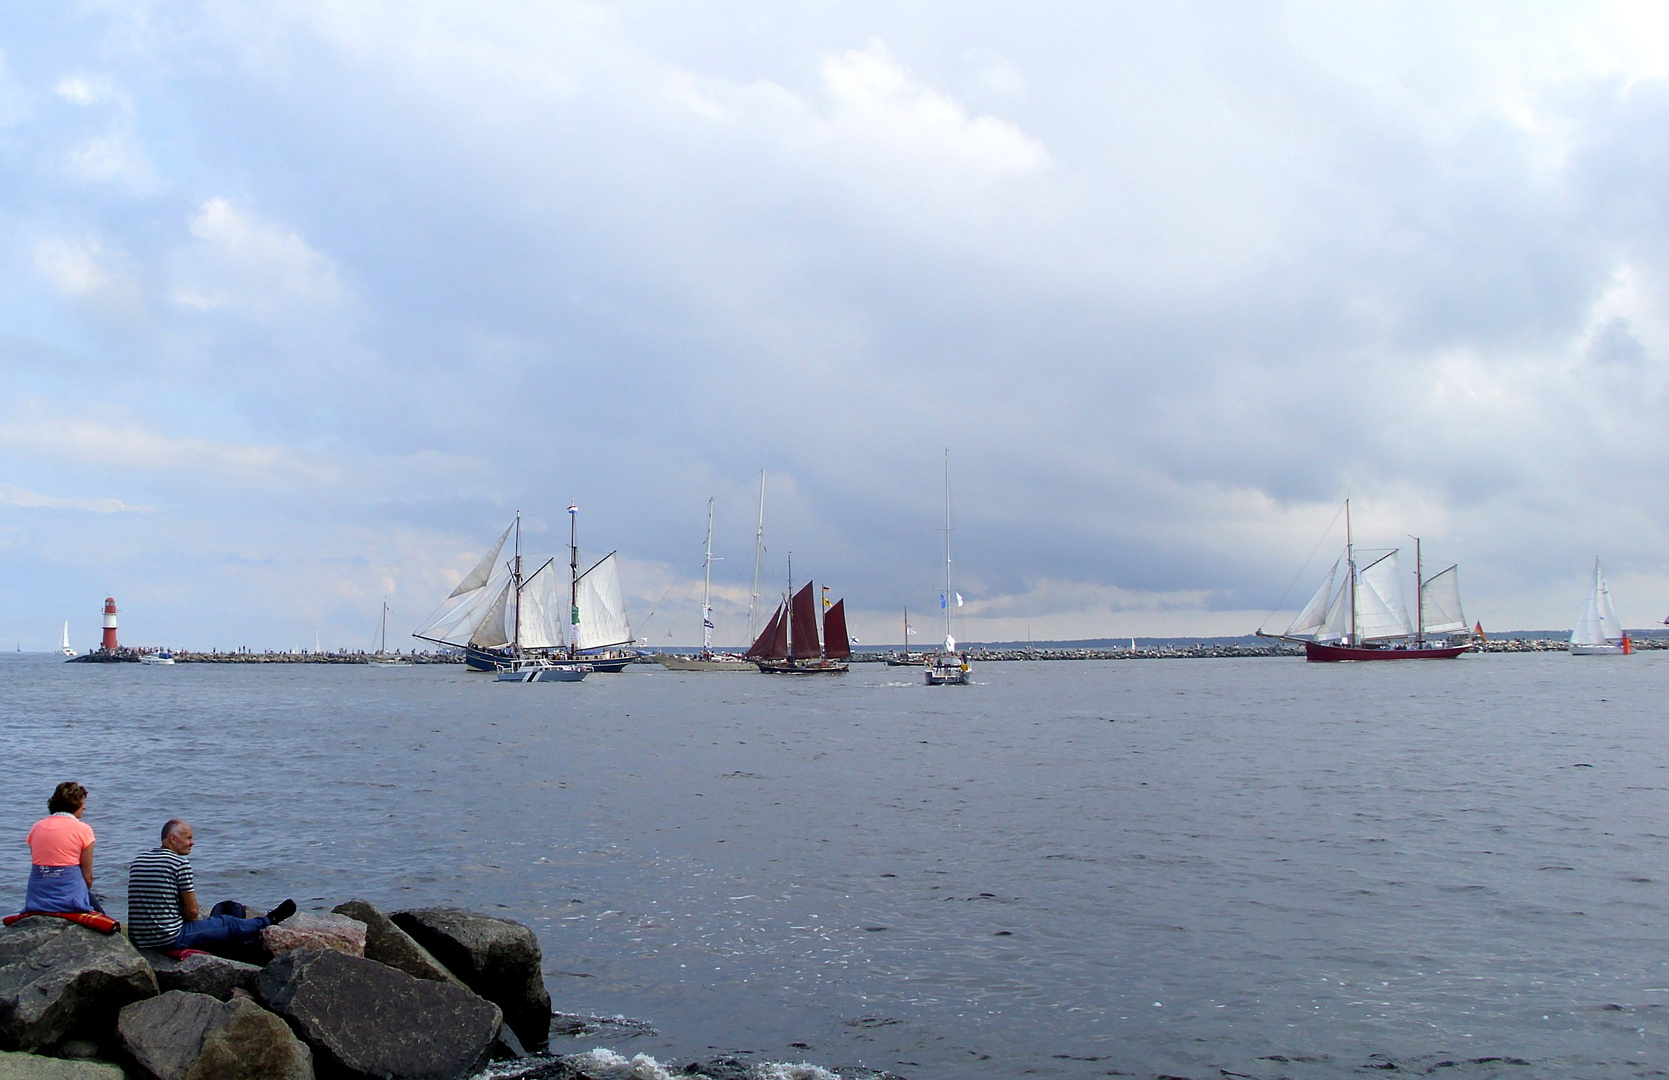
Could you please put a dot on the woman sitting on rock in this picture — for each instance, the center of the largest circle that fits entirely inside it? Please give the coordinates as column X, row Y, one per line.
column 61, row 855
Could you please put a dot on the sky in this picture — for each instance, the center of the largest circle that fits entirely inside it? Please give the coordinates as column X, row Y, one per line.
column 300, row 303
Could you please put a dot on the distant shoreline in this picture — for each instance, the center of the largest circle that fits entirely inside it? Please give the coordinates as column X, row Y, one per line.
column 1170, row 650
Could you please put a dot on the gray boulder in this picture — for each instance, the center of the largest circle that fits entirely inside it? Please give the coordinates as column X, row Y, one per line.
column 364, row 1019
column 181, row 1036
column 34, row 1067
column 388, row 944
column 203, row 973
column 497, row 958
column 58, row 978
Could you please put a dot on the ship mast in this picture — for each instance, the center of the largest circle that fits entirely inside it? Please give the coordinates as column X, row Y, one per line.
column 1419, row 600
column 707, row 590
column 573, row 581
column 516, row 578
column 950, row 596
column 788, row 606
column 758, row 548
column 1350, row 564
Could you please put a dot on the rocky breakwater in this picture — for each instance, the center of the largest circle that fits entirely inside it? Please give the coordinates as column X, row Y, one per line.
column 338, row 996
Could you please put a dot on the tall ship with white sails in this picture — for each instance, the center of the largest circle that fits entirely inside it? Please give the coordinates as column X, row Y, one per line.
column 1359, row 612
column 498, row 614
column 1598, row 631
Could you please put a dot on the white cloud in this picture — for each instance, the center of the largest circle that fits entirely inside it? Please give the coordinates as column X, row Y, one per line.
column 73, row 267
column 243, row 261
column 64, row 439
column 81, row 90
column 12, row 495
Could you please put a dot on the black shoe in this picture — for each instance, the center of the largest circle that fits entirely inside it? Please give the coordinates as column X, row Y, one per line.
column 281, row 912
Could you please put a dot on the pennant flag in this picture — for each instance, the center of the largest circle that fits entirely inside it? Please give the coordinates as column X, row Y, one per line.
column 573, row 508
column 942, row 604
column 958, row 599
column 708, row 623
column 826, row 604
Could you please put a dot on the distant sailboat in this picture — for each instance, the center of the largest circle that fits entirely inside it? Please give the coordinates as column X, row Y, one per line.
column 906, row 658
column 382, row 659
column 707, row 659
column 65, row 647
column 789, row 644
column 1598, row 631
column 1364, row 617
column 948, row 667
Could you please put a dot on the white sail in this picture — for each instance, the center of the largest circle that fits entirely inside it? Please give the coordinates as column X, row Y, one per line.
column 1337, row 627
column 483, row 571
column 1314, row 615
column 1609, row 624
column 497, row 625
column 1598, row 623
column 65, row 647
column 460, row 616
column 1440, row 603
column 1380, row 613
column 544, row 604
column 602, row 608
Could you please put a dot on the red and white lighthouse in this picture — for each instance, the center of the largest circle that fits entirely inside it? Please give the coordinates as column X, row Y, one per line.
column 109, row 622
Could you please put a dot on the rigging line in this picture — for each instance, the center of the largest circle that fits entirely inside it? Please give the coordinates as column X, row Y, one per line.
column 1324, row 535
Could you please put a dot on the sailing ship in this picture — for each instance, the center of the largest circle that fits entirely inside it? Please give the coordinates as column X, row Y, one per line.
column 482, row 615
column 1598, row 631
column 947, row 667
column 506, row 621
column 1361, row 615
column 707, row 659
column 789, row 643
column 66, row 648
column 382, row 659
column 905, row 657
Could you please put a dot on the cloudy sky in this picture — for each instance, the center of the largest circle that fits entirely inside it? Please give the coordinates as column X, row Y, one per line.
column 300, row 302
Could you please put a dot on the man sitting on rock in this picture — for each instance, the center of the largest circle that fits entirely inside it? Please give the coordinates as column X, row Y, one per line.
column 162, row 901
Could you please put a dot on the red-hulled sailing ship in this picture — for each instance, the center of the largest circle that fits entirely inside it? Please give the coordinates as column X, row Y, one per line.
column 1365, row 618
column 789, row 644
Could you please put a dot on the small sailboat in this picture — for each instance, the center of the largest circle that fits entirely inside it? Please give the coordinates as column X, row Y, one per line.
column 906, row 658
column 1364, row 617
column 1598, row 631
column 66, row 648
column 789, row 644
column 383, row 659
column 707, row 659
column 947, row 667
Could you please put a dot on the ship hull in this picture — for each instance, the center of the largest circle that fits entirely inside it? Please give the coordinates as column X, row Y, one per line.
column 803, row 667
column 674, row 662
column 1599, row 650
column 489, row 660
column 1317, row 653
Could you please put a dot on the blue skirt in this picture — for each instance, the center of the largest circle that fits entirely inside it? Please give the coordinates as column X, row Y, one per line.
column 58, row 888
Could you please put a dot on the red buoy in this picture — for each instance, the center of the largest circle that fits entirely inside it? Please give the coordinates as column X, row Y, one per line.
column 109, row 622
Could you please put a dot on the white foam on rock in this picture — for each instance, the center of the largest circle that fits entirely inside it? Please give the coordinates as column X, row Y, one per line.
column 608, row 1065
column 777, row 1070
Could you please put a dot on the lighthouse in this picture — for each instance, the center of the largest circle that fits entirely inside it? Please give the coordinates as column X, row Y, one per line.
column 109, row 623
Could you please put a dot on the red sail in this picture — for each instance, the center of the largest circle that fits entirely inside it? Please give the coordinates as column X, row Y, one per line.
column 772, row 643
column 804, row 637
column 836, row 645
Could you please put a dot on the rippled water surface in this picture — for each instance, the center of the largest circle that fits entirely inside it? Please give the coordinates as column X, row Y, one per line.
column 1194, row 867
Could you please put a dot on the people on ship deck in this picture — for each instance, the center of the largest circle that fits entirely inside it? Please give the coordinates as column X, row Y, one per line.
column 61, row 855
column 162, row 901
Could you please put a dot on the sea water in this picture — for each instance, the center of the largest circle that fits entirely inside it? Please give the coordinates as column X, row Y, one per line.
column 1173, row 867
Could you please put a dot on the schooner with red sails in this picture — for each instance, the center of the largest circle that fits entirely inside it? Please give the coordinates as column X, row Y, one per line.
column 790, row 645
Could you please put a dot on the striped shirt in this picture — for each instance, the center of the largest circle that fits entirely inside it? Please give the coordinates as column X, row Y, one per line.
column 154, row 884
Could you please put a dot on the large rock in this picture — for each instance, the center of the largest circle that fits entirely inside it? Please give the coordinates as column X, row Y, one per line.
column 497, row 958
column 305, row 930
column 202, row 973
column 388, row 944
column 59, row 978
column 181, row 1036
column 368, row 1020
column 34, row 1067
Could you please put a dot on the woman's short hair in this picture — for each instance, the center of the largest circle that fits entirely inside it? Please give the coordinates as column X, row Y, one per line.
column 67, row 799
